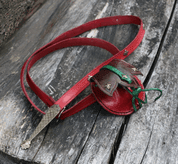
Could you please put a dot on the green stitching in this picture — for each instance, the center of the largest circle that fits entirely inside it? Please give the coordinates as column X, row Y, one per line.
column 136, row 92
column 119, row 73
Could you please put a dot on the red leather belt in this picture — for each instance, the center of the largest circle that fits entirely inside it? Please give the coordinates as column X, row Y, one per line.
column 120, row 100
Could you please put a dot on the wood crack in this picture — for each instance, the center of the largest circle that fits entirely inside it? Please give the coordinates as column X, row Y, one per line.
column 159, row 48
column 147, row 145
column 87, row 138
column 118, row 140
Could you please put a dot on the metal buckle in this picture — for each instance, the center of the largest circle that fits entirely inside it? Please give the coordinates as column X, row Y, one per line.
column 52, row 112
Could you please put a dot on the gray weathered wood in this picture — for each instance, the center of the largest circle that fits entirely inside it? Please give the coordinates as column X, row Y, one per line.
column 95, row 150
column 89, row 136
column 13, row 13
column 151, row 135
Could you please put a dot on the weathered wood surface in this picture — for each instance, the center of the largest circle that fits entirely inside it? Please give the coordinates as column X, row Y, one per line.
column 152, row 134
column 92, row 135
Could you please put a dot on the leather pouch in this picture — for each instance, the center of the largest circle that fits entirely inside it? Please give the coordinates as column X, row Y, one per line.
column 108, row 87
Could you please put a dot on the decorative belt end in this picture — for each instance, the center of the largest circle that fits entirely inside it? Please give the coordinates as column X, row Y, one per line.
column 25, row 144
column 52, row 112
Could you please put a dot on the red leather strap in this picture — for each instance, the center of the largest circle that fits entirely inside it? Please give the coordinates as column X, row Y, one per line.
column 66, row 43
column 66, row 40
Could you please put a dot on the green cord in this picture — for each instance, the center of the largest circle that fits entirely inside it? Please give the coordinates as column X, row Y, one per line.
column 136, row 92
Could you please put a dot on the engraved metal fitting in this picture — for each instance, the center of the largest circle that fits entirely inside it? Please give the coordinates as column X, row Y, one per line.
column 125, row 52
column 52, row 112
column 25, row 144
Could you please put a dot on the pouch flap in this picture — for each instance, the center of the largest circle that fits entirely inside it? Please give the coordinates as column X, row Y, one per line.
column 116, row 72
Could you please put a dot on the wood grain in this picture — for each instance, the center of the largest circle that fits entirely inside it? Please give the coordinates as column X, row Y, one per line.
column 90, row 135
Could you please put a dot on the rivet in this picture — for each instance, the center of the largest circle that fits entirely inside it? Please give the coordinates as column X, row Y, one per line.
column 108, row 86
column 124, row 76
column 134, row 69
column 126, row 52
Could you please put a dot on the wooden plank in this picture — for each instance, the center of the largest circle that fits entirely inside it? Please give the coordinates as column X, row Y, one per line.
column 99, row 144
column 81, row 135
column 151, row 135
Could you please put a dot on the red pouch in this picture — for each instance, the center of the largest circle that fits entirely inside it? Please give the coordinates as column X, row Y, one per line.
column 108, row 87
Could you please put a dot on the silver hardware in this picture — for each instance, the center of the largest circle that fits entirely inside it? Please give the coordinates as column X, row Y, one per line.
column 125, row 52
column 124, row 76
column 89, row 77
column 52, row 112
column 134, row 69
column 25, row 144
column 108, row 86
